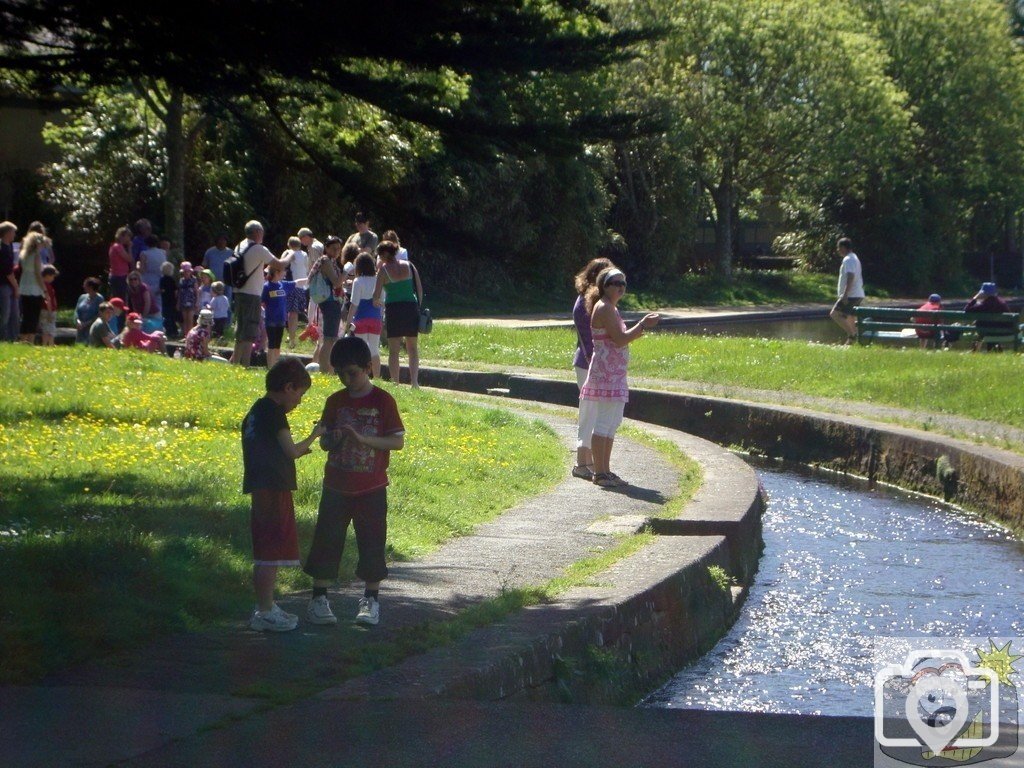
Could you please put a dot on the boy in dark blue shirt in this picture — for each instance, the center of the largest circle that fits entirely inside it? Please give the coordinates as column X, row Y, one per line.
column 268, row 459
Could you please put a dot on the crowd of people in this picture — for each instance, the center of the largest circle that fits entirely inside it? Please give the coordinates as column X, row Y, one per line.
column 364, row 285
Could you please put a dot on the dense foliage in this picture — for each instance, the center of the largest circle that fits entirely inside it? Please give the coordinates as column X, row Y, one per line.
column 492, row 135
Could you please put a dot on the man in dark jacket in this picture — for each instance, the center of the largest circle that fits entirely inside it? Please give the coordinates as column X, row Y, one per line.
column 987, row 301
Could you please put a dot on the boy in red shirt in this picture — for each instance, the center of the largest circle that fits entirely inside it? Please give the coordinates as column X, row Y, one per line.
column 363, row 427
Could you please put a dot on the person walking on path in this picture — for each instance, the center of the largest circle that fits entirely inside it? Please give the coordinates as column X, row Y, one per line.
column 850, row 290
column 255, row 256
column 605, row 393
column 584, row 352
column 362, row 426
column 401, row 310
column 268, row 461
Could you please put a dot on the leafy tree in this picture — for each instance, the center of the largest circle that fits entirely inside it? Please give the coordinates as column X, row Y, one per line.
column 764, row 96
column 963, row 175
column 416, row 62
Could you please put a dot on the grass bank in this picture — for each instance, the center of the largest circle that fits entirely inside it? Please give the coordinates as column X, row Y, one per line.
column 744, row 288
column 121, row 515
column 977, row 386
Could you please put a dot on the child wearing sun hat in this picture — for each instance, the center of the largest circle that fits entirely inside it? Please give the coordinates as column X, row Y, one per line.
column 197, row 341
column 136, row 338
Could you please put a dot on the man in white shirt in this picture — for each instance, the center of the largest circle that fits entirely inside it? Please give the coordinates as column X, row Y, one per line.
column 298, row 300
column 850, row 289
column 247, row 298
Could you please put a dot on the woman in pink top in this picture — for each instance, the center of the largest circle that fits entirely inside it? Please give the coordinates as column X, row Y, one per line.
column 604, row 394
column 120, row 262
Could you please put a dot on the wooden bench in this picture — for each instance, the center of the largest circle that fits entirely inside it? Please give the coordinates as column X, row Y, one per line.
column 883, row 323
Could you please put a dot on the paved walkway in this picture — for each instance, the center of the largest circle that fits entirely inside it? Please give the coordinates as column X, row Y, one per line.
column 677, row 315
column 128, row 704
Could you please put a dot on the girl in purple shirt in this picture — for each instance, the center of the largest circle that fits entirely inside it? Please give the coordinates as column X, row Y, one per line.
column 584, row 351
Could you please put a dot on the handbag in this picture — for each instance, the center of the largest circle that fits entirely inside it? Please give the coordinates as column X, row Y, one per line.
column 426, row 321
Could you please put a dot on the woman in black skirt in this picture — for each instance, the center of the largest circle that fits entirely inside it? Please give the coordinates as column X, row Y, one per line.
column 401, row 309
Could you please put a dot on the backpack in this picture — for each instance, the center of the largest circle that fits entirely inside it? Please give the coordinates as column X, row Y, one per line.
column 320, row 288
column 234, row 268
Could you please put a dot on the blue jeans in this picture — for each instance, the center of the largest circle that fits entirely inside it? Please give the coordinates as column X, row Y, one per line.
column 10, row 316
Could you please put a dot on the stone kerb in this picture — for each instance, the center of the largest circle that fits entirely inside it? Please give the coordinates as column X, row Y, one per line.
column 614, row 639
column 978, row 477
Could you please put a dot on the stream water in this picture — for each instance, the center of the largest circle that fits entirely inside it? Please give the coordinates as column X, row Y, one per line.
column 843, row 568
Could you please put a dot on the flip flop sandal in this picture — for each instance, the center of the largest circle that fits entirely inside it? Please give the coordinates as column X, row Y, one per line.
column 583, row 471
column 604, row 480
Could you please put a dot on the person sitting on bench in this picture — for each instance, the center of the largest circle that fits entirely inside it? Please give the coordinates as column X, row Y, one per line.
column 987, row 301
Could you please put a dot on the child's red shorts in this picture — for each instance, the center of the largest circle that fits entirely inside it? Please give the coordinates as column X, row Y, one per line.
column 275, row 540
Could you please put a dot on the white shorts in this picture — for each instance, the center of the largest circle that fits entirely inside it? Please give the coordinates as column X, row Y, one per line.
column 372, row 341
column 581, row 376
column 598, row 417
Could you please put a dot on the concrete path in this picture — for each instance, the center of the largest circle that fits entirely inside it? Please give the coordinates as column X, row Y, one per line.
column 365, row 734
column 128, row 704
column 677, row 315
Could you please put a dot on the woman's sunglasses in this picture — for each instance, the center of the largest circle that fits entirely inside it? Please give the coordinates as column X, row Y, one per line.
column 615, row 284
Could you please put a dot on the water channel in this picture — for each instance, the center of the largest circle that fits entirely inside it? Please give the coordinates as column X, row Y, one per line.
column 842, row 566
column 818, row 329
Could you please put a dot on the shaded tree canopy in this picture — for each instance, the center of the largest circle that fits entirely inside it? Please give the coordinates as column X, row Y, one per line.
column 416, row 61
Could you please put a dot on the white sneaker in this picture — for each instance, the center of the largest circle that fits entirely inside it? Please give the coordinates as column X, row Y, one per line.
column 369, row 611
column 319, row 611
column 282, row 612
column 272, row 621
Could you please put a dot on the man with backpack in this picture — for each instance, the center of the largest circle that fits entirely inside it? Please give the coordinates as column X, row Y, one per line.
column 251, row 256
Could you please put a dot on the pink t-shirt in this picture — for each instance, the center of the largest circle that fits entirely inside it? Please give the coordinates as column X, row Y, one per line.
column 120, row 261
column 138, row 339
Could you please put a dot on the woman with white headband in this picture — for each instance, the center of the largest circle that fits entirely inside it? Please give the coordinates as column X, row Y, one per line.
column 605, row 392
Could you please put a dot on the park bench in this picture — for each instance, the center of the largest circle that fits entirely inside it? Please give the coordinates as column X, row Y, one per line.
column 891, row 323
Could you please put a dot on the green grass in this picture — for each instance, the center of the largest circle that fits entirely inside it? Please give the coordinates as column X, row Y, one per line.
column 121, row 515
column 978, row 386
column 745, row 287
column 359, row 659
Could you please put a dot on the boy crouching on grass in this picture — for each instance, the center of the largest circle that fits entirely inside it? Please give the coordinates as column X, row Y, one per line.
column 362, row 428
column 268, row 458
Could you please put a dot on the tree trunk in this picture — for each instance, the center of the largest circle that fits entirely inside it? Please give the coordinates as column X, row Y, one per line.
column 174, row 194
column 724, row 209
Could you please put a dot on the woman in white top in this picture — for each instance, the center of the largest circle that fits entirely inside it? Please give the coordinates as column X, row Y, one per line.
column 30, row 285
column 151, row 262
